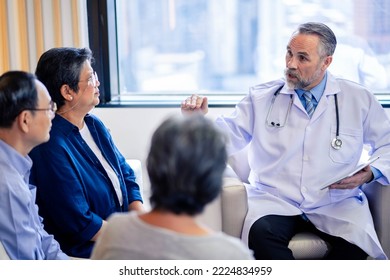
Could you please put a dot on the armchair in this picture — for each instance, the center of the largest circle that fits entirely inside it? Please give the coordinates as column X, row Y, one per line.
column 232, row 207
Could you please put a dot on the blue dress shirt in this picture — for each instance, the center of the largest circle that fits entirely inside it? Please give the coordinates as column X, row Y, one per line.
column 74, row 192
column 21, row 229
column 317, row 92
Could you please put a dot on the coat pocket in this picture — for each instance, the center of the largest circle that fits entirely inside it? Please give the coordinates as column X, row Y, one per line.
column 352, row 145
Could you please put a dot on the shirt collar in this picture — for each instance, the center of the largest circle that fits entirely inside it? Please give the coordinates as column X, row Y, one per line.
column 21, row 163
column 317, row 91
column 66, row 127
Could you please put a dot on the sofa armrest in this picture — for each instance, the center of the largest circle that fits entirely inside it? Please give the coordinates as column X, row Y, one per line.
column 227, row 212
column 378, row 198
column 212, row 215
column 234, row 206
column 136, row 165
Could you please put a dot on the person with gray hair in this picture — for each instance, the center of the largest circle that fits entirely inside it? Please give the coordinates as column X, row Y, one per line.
column 186, row 162
column 80, row 174
column 300, row 132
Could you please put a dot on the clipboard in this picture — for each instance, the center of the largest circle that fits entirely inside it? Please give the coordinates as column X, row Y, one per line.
column 355, row 170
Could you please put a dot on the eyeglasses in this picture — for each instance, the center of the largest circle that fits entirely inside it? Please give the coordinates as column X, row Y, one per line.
column 93, row 79
column 53, row 108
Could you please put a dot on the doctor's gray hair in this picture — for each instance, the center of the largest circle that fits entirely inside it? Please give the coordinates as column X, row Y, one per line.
column 327, row 38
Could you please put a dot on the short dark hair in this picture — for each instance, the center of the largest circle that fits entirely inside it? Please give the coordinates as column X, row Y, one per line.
column 327, row 38
column 186, row 162
column 17, row 92
column 59, row 66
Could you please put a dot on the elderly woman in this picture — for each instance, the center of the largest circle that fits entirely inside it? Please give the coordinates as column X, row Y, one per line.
column 185, row 164
column 81, row 176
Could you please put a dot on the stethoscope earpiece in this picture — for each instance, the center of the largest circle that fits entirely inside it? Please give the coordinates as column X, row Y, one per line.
column 278, row 124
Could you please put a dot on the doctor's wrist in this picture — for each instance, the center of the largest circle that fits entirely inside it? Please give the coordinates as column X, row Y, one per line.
column 371, row 178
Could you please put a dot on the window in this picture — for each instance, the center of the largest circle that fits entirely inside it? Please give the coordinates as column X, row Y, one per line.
column 165, row 47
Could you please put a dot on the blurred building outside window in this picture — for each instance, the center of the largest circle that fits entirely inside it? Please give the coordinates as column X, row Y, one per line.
column 225, row 47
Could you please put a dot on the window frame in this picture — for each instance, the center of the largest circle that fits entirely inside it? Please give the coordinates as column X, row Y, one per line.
column 102, row 34
column 102, row 42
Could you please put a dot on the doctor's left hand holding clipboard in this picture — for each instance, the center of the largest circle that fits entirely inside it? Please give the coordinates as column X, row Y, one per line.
column 361, row 174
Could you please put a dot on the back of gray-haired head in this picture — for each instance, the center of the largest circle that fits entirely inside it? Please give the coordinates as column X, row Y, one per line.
column 185, row 164
column 326, row 35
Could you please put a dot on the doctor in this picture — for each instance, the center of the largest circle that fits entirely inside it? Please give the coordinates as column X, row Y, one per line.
column 297, row 143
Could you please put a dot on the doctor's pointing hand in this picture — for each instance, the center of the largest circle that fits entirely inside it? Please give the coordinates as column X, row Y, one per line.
column 195, row 103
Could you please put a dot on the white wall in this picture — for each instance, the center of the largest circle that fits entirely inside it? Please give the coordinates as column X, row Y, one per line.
column 132, row 129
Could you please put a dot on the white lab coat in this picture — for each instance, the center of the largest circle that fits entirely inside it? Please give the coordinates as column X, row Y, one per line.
column 289, row 164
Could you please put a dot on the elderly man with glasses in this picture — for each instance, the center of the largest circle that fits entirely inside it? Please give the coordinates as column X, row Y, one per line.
column 26, row 111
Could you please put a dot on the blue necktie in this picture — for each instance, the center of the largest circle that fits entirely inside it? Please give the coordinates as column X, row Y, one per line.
column 309, row 103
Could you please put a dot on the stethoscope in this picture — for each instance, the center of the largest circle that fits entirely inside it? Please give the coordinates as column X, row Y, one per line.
column 336, row 143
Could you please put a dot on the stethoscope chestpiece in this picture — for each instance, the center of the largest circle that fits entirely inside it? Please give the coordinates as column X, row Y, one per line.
column 336, row 143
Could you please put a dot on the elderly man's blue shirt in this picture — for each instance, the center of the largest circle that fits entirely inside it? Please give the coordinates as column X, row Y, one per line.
column 21, row 229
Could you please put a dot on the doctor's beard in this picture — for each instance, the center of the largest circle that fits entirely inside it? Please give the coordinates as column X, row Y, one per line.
column 301, row 83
